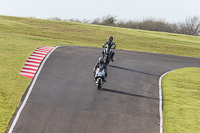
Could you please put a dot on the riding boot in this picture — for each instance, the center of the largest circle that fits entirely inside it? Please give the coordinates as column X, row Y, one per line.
column 112, row 57
column 105, row 76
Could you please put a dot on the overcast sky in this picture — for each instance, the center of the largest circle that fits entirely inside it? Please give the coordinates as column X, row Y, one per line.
column 169, row 10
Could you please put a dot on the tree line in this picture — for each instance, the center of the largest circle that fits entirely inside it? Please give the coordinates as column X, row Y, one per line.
column 191, row 25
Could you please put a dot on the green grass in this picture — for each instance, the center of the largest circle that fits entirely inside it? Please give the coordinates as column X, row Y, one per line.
column 181, row 95
column 19, row 37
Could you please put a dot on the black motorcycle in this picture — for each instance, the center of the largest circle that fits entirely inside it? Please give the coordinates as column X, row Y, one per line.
column 107, row 54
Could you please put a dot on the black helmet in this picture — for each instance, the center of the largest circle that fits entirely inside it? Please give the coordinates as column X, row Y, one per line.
column 110, row 38
column 101, row 60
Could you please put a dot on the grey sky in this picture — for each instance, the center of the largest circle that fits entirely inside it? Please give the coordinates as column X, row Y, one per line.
column 169, row 10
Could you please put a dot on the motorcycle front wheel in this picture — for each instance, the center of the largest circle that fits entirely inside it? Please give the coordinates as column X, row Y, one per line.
column 98, row 83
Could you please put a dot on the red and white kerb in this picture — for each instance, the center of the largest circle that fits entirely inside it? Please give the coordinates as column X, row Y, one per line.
column 34, row 61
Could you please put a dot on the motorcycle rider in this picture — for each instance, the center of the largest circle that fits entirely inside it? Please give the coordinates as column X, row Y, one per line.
column 110, row 43
column 100, row 64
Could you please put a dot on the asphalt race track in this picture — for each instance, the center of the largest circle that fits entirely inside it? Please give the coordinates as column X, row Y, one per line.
column 65, row 99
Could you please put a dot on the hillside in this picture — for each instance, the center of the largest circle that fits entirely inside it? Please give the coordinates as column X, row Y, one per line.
column 51, row 33
column 19, row 37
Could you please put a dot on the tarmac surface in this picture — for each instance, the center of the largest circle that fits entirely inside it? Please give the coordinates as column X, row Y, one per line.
column 65, row 99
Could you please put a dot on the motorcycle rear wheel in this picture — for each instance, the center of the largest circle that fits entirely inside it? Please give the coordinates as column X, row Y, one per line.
column 107, row 60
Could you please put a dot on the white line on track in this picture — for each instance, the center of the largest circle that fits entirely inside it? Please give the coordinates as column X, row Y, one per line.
column 29, row 91
column 161, row 101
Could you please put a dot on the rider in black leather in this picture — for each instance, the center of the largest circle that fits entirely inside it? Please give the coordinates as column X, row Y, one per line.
column 109, row 43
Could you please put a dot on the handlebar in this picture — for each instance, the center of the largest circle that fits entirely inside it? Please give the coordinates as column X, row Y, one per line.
column 106, row 47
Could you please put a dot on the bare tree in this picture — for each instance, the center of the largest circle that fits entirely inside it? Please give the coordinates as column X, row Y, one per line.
column 74, row 20
column 96, row 21
column 191, row 26
column 55, row 18
column 106, row 20
column 86, row 21
column 109, row 20
column 149, row 24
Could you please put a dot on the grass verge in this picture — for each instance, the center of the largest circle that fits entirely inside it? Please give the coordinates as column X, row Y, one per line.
column 181, row 95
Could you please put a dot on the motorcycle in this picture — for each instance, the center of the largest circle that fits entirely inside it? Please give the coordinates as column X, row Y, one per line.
column 100, row 77
column 107, row 55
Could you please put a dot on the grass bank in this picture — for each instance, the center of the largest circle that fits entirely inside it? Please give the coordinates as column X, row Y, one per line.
column 19, row 37
column 181, row 95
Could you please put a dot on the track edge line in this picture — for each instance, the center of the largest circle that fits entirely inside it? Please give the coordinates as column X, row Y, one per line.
column 29, row 91
column 161, row 100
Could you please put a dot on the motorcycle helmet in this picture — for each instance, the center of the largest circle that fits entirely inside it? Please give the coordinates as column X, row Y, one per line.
column 101, row 60
column 110, row 38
